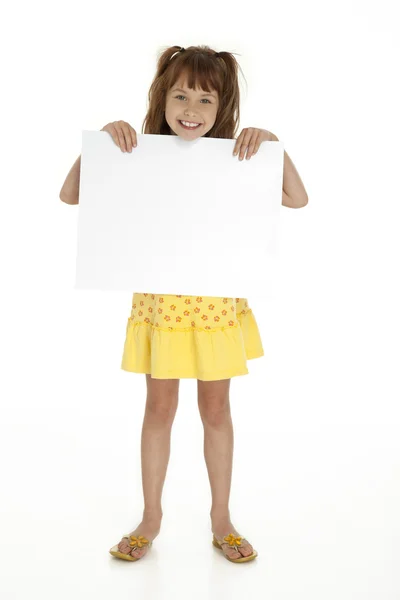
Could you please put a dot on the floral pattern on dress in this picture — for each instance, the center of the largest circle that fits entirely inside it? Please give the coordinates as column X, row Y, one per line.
column 185, row 313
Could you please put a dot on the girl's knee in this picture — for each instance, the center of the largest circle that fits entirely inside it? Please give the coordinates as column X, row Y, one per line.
column 162, row 398
column 213, row 400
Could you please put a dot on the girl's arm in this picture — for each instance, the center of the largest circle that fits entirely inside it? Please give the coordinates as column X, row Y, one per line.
column 70, row 190
column 294, row 194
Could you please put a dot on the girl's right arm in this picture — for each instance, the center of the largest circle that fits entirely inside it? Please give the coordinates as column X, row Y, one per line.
column 123, row 135
column 70, row 190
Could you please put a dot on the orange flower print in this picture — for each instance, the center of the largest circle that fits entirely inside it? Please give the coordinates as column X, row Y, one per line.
column 232, row 308
column 140, row 313
column 224, row 312
column 178, row 319
column 216, row 318
column 199, row 299
column 186, row 313
column 211, row 306
column 225, row 300
column 167, row 318
column 157, row 325
column 141, row 303
column 237, row 300
column 231, row 323
column 138, row 542
column 160, row 310
column 179, row 296
column 188, row 301
column 193, row 324
column 172, row 307
column 152, row 296
column 207, row 327
column 161, row 300
column 147, row 320
column 233, row 540
column 242, row 312
column 197, row 310
column 150, row 309
column 134, row 305
column 145, row 295
column 205, row 318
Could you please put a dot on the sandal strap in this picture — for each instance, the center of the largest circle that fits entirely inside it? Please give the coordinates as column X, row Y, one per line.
column 233, row 542
column 137, row 541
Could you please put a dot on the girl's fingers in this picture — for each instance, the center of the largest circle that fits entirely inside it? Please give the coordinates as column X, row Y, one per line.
column 126, row 128
column 119, row 126
column 238, row 142
column 111, row 129
column 133, row 136
column 122, row 133
column 120, row 141
column 246, row 141
column 128, row 136
column 253, row 143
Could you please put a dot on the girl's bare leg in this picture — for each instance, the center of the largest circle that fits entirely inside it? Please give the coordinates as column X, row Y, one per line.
column 215, row 413
column 161, row 405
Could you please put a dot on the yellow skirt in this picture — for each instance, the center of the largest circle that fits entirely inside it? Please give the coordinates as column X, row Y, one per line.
column 204, row 337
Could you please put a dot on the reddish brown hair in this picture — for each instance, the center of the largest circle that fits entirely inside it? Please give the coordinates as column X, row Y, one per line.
column 206, row 69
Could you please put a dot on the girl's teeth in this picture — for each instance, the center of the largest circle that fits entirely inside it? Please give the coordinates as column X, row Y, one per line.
column 190, row 126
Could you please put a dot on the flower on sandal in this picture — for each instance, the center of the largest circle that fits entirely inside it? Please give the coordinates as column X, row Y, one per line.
column 233, row 541
column 138, row 542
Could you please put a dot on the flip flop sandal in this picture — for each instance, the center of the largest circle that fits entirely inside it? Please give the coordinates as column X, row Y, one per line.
column 233, row 542
column 135, row 542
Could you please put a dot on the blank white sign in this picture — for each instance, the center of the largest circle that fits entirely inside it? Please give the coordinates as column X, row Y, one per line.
column 178, row 217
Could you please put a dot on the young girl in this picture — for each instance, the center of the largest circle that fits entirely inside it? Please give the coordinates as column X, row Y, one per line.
column 194, row 93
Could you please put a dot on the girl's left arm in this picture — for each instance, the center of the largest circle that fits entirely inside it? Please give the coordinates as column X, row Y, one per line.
column 294, row 194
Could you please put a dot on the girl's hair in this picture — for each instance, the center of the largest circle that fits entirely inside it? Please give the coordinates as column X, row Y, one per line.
column 206, row 69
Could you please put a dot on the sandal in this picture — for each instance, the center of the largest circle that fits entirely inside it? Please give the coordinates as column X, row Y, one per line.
column 233, row 541
column 135, row 542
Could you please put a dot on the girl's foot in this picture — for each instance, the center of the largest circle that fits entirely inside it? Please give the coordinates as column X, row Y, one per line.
column 222, row 527
column 149, row 528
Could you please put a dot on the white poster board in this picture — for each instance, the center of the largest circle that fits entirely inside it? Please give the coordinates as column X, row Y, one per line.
column 178, row 217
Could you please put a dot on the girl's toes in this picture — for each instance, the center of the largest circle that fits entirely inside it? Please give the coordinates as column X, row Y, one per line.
column 138, row 552
column 231, row 552
column 124, row 547
column 246, row 550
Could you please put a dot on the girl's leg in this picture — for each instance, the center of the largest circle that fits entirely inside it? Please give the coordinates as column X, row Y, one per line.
column 214, row 408
column 215, row 413
column 161, row 405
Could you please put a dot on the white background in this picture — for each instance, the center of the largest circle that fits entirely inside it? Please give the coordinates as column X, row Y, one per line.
column 316, row 466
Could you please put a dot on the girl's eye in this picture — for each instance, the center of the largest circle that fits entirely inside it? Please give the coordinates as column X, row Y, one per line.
column 180, row 96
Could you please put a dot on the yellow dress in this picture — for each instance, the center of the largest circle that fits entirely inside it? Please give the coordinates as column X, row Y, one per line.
column 200, row 337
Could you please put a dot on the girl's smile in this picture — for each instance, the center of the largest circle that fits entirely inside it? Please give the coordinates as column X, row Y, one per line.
column 187, row 127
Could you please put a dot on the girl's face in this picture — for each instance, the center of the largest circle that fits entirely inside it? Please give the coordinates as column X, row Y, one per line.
column 197, row 106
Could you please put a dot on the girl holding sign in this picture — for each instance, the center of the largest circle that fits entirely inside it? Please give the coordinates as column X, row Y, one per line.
column 194, row 93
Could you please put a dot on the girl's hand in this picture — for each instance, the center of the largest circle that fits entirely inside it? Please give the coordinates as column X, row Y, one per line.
column 123, row 134
column 252, row 138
